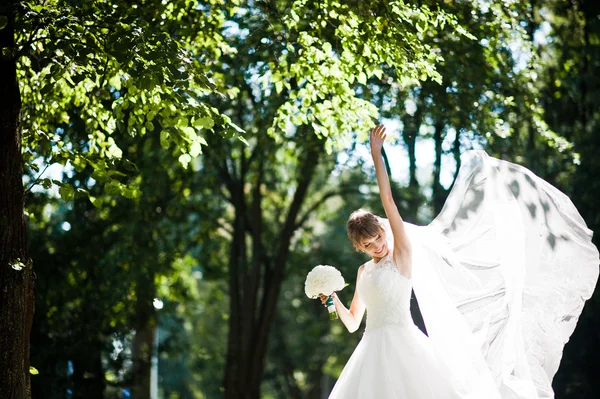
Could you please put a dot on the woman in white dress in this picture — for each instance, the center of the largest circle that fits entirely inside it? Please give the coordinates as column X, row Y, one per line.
column 501, row 276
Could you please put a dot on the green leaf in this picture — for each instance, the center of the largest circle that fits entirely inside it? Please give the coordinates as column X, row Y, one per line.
column 278, row 86
column 204, row 123
column 79, row 163
column 97, row 202
column 366, row 51
column 46, row 89
column 188, row 133
column 113, row 187
column 182, row 122
column 465, row 33
column 115, row 82
column 3, row 22
column 165, row 139
column 34, row 167
column 66, row 192
column 195, row 149
column 422, row 23
column 295, row 16
column 185, row 159
column 362, row 78
column 99, row 175
column 33, row 370
column 318, row 128
column 47, row 184
column 130, row 192
column 236, row 128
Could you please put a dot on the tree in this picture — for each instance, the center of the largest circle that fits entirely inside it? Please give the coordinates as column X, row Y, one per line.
column 16, row 274
column 101, row 58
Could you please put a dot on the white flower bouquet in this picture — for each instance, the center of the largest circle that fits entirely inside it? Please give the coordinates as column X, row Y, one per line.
column 323, row 279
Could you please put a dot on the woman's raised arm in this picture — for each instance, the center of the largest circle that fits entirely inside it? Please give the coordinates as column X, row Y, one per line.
column 402, row 246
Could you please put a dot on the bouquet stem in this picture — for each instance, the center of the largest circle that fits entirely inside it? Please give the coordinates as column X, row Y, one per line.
column 331, row 308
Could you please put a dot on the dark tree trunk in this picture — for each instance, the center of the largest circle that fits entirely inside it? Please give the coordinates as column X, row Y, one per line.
column 234, row 378
column 88, row 373
column 530, row 150
column 410, row 133
column 438, row 192
column 286, row 367
column 456, row 152
column 16, row 272
column 585, row 74
column 143, row 342
column 255, row 287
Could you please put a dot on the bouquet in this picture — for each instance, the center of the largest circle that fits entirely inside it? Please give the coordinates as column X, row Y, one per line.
column 324, row 280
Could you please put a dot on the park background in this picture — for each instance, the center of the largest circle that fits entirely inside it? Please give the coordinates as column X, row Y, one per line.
column 186, row 163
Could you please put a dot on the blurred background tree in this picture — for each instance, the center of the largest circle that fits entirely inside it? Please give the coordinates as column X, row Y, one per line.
column 182, row 219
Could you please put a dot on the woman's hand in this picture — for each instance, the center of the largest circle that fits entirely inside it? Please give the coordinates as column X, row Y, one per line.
column 377, row 137
column 324, row 298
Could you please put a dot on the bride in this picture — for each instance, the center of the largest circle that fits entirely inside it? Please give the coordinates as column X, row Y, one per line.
column 501, row 276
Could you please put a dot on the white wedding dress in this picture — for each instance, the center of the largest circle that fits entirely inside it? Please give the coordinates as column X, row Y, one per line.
column 501, row 276
column 394, row 359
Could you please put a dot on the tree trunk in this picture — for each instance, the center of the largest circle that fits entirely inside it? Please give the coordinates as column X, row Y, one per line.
column 530, row 150
column 410, row 133
column 88, row 373
column 585, row 74
column 143, row 342
column 438, row 192
column 234, row 381
column 16, row 272
column 287, row 367
column 456, row 152
column 249, row 333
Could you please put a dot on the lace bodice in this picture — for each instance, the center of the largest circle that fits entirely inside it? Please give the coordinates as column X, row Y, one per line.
column 386, row 294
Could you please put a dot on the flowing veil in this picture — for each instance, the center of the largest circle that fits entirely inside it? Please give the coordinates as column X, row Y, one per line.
column 501, row 276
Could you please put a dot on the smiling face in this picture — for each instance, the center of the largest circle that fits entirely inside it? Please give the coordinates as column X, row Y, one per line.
column 367, row 234
column 376, row 247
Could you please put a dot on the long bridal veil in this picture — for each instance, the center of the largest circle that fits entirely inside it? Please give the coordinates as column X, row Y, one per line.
column 501, row 276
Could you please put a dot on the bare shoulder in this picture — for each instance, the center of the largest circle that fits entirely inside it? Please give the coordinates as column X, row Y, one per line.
column 360, row 269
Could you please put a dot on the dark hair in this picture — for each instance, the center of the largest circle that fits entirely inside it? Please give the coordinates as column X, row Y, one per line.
column 362, row 225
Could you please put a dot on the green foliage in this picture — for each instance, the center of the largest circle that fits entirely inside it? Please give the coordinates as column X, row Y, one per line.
column 91, row 70
column 333, row 46
column 151, row 246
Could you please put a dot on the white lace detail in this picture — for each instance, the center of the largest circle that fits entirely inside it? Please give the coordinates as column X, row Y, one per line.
column 386, row 294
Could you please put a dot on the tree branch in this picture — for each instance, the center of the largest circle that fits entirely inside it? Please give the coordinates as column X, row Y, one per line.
column 321, row 201
column 36, row 179
column 220, row 166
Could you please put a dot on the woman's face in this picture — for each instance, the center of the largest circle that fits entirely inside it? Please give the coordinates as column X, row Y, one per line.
column 375, row 247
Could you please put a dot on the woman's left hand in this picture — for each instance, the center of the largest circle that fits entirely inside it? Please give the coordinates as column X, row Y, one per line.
column 377, row 137
column 324, row 298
